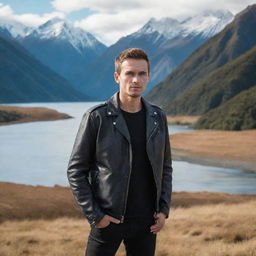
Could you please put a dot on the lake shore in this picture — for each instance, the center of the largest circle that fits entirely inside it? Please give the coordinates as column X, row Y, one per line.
column 36, row 220
column 16, row 115
column 229, row 149
column 182, row 120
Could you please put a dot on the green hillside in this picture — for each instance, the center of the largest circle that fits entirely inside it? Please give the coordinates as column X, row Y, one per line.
column 25, row 79
column 235, row 39
column 218, row 87
column 239, row 113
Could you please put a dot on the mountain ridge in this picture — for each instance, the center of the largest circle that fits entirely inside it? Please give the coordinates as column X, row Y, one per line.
column 24, row 79
column 217, row 87
column 161, row 50
column 62, row 47
column 235, row 39
column 238, row 113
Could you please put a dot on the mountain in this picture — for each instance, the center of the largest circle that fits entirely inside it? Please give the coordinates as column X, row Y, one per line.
column 64, row 48
column 167, row 41
column 97, row 80
column 191, row 33
column 13, row 28
column 235, row 39
column 25, row 79
column 238, row 113
column 218, row 87
column 207, row 23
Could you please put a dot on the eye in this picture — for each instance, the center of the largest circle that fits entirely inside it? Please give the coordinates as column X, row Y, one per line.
column 129, row 73
column 143, row 73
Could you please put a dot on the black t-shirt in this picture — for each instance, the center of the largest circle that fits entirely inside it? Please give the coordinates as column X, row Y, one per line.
column 142, row 191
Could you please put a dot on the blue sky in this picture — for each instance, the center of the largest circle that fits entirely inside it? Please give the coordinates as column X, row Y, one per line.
column 43, row 6
column 109, row 20
column 29, row 6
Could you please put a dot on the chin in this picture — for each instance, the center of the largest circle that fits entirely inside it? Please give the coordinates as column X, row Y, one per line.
column 135, row 95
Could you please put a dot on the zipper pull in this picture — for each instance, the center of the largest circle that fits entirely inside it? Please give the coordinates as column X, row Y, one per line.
column 122, row 219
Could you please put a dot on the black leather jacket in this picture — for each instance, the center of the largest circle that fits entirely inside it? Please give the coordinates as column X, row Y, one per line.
column 100, row 164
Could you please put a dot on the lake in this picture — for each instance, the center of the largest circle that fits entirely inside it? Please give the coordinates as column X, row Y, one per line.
column 37, row 153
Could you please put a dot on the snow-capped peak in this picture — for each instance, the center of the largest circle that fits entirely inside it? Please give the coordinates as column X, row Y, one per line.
column 207, row 23
column 14, row 28
column 64, row 30
column 221, row 14
column 166, row 26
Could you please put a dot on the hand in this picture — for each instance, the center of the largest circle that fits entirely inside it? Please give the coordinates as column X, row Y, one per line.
column 160, row 221
column 105, row 221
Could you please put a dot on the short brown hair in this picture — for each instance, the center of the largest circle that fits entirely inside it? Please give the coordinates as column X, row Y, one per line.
column 131, row 53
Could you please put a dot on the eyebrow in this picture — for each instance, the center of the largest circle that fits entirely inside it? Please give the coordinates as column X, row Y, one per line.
column 132, row 72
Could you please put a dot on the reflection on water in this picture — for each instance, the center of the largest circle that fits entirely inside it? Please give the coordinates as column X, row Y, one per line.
column 38, row 153
column 179, row 128
column 190, row 177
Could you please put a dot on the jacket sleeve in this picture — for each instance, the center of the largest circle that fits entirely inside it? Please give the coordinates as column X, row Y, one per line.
column 165, row 199
column 79, row 167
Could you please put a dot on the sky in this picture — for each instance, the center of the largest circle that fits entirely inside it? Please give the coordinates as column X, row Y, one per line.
column 108, row 20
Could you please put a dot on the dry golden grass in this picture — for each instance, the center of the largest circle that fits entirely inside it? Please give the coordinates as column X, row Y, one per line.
column 216, row 230
column 38, row 220
column 32, row 114
column 234, row 146
column 39, row 201
column 210, row 230
column 53, row 202
column 182, row 120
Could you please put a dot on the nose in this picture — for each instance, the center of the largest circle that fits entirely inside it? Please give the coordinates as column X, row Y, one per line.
column 135, row 79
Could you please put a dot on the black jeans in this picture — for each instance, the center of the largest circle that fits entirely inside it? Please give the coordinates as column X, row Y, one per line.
column 136, row 235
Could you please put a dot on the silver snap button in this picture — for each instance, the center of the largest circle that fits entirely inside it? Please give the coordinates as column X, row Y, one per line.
column 155, row 113
column 114, row 123
column 155, row 123
column 109, row 113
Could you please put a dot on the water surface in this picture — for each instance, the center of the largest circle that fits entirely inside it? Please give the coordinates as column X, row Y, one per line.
column 37, row 153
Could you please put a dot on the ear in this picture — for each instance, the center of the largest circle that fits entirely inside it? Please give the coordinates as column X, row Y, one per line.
column 116, row 77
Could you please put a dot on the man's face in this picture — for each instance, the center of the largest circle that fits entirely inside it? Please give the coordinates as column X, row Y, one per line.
column 133, row 77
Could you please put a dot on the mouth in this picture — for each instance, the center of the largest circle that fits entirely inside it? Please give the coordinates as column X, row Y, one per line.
column 135, row 87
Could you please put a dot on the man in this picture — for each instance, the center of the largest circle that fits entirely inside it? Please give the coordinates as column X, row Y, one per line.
column 120, row 169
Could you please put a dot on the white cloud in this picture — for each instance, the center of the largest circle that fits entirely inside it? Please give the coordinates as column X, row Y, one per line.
column 36, row 20
column 110, row 27
column 28, row 19
column 5, row 11
column 172, row 7
column 115, row 18
column 109, row 6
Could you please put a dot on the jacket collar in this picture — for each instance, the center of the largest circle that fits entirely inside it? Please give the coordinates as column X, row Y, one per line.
column 113, row 106
column 113, row 109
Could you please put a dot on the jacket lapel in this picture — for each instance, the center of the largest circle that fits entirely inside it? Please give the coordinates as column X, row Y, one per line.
column 122, row 127
column 120, row 124
column 118, row 120
column 151, row 120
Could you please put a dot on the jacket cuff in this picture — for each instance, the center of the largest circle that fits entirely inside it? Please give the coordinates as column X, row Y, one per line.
column 95, row 220
column 165, row 211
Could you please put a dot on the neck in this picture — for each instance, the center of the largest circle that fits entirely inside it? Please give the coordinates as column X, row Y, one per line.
column 130, row 104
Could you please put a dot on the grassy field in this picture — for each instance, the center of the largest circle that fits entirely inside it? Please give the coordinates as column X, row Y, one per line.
column 200, row 224
column 223, row 230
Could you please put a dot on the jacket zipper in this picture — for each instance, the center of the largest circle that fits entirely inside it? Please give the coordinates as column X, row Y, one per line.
column 156, row 204
column 127, row 190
